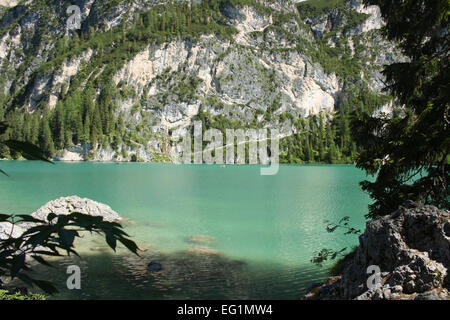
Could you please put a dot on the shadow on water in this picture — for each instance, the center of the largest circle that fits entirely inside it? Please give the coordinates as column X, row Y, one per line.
column 190, row 274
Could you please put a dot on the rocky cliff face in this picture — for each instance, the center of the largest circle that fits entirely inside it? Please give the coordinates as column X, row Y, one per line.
column 411, row 247
column 274, row 64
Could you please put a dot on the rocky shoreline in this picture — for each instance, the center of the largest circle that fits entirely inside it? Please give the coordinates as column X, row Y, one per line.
column 411, row 248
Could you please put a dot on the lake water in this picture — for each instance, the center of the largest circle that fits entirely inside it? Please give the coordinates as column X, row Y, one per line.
column 262, row 230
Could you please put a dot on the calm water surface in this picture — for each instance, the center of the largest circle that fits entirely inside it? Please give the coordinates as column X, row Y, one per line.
column 263, row 230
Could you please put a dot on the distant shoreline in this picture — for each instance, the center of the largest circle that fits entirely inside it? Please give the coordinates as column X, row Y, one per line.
column 190, row 164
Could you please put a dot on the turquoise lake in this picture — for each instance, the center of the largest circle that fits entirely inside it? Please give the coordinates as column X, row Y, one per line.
column 263, row 230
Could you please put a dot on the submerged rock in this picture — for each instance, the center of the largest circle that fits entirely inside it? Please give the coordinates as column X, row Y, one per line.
column 412, row 249
column 154, row 266
column 200, row 238
column 68, row 205
column 203, row 250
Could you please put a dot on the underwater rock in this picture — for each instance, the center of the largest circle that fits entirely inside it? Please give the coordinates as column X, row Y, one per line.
column 154, row 266
column 203, row 250
column 201, row 238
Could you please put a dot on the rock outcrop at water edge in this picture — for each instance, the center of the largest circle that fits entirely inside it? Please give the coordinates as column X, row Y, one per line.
column 61, row 206
column 67, row 205
column 411, row 247
column 7, row 230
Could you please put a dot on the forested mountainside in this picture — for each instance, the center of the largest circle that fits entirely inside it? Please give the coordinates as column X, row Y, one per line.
column 138, row 71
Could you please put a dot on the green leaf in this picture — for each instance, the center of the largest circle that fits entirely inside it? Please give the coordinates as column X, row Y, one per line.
column 41, row 260
column 38, row 228
column 28, row 150
column 6, row 253
column 51, row 216
column 111, row 241
column 28, row 218
column 67, row 237
column 130, row 245
column 47, row 253
column 4, row 217
column 74, row 252
column 18, row 264
column 38, row 238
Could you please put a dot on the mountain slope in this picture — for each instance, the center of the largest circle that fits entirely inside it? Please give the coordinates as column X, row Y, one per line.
column 138, row 71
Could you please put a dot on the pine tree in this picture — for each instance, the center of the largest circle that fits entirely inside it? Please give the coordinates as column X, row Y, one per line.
column 87, row 123
column 34, row 128
column 94, row 137
column 78, row 137
column 58, row 126
column 46, row 139
column 410, row 151
column 68, row 141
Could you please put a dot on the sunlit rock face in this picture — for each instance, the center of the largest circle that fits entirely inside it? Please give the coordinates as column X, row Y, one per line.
column 8, row 3
column 7, row 231
column 61, row 206
column 68, row 205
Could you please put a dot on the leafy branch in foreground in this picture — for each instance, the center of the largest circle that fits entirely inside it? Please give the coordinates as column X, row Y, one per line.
column 27, row 150
column 329, row 254
column 44, row 239
column 343, row 224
